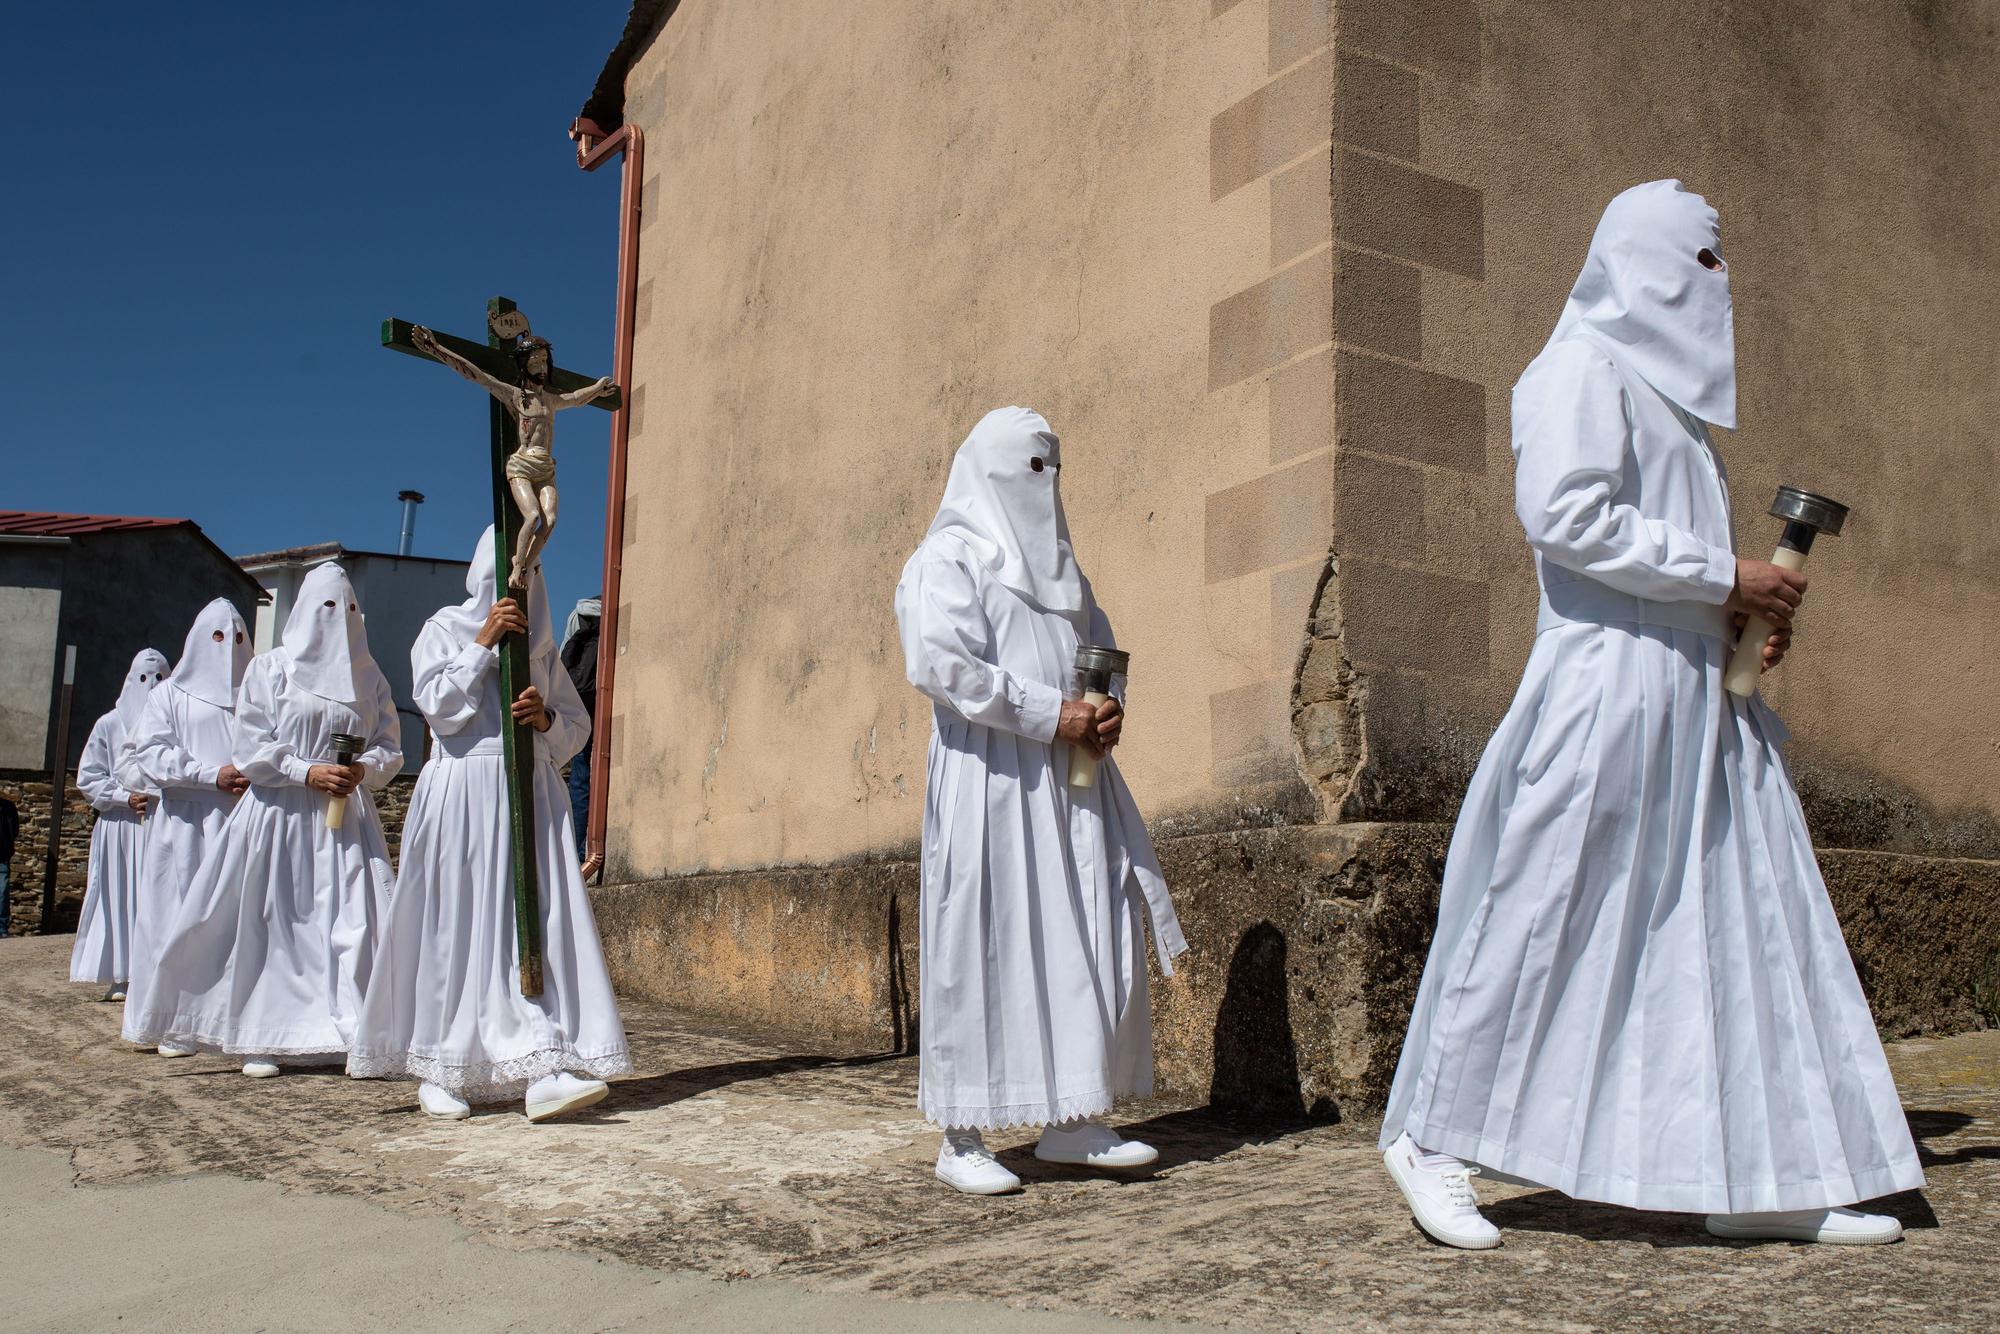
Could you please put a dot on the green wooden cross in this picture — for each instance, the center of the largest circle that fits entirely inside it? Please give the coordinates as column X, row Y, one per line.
column 497, row 360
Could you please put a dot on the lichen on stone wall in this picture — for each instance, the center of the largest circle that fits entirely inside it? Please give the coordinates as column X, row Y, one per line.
column 1327, row 703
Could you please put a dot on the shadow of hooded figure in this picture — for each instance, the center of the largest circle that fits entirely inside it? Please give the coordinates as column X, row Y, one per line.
column 1256, row 1060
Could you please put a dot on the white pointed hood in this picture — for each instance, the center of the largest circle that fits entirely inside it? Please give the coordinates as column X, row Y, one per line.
column 326, row 646
column 1645, row 297
column 1010, row 515
column 464, row 621
column 208, row 670
column 148, row 669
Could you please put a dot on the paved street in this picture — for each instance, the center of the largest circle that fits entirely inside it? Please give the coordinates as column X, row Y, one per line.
column 182, row 1195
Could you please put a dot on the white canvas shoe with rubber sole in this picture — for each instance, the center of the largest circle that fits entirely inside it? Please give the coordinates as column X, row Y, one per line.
column 1438, row 1189
column 261, row 1069
column 1092, row 1144
column 441, row 1104
column 170, row 1051
column 1831, row 1227
column 965, row 1164
column 557, row 1094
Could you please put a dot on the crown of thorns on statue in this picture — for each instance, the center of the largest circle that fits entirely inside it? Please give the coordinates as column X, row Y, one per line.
column 525, row 348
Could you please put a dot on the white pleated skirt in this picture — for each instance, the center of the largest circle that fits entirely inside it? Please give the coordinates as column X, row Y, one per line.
column 103, row 949
column 271, row 951
column 445, row 1004
column 1638, row 992
column 1032, row 947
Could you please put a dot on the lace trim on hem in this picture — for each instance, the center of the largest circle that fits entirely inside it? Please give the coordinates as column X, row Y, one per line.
column 1009, row 1115
column 176, row 1031
column 489, row 1081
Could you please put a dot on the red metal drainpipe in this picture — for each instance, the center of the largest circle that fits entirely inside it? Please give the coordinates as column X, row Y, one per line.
column 593, row 149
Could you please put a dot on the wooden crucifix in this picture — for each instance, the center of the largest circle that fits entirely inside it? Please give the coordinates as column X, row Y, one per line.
column 527, row 388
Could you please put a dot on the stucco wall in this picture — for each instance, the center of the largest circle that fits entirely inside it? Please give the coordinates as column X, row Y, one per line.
column 30, row 609
column 868, row 223
column 1847, row 148
column 1271, row 267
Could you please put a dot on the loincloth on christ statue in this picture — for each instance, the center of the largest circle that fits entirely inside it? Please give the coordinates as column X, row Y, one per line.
column 532, row 463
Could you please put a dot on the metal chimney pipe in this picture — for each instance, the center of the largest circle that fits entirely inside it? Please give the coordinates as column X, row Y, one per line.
column 410, row 499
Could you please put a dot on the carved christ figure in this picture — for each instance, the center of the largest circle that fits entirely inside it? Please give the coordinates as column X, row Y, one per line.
column 531, row 468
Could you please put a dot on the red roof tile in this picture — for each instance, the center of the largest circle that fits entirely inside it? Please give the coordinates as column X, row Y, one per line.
column 40, row 523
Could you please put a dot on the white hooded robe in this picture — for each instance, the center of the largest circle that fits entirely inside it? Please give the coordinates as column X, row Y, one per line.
column 1032, row 943
column 1638, row 992
column 270, row 952
column 445, row 1004
column 178, row 749
column 102, row 952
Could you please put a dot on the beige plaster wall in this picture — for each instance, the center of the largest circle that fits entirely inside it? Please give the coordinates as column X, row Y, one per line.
column 1849, row 150
column 1271, row 267
column 868, row 222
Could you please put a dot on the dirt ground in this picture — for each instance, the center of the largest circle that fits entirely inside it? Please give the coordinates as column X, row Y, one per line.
column 801, row 1179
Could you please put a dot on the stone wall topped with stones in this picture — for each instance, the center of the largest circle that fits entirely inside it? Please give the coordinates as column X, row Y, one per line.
column 25, row 878
column 26, row 869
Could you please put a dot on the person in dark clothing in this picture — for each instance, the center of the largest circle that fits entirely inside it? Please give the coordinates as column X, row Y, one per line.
column 10, row 829
column 579, row 658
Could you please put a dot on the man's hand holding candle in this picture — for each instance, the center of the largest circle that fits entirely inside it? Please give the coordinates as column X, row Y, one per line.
column 1094, row 728
column 335, row 780
column 528, row 708
column 1775, row 647
column 1110, row 722
column 1767, row 590
column 1078, row 726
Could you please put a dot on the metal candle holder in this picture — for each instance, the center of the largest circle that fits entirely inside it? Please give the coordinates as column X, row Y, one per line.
column 1806, row 516
column 345, row 747
column 1096, row 664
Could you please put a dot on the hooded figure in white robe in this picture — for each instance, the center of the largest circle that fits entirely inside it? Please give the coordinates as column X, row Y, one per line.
column 102, row 952
column 269, row 955
column 1036, row 894
column 445, row 1006
column 1638, row 992
column 180, row 748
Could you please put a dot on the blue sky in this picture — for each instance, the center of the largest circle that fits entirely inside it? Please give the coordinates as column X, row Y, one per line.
column 210, row 208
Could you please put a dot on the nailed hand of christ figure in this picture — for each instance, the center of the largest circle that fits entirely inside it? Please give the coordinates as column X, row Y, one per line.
column 532, row 403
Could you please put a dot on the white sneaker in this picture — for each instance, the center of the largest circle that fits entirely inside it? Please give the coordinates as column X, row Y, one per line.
column 1092, row 1144
column 1837, row 1227
column 116, row 993
column 261, row 1069
column 553, row 1095
column 441, row 1104
column 965, row 1163
column 169, row 1050
column 1438, row 1188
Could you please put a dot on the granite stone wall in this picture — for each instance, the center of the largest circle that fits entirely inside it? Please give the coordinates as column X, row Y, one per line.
column 25, row 877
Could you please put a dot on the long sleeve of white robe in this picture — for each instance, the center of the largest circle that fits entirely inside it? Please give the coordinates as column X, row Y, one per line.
column 94, row 776
column 453, row 682
column 156, row 757
column 1571, row 489
column 269, row 760
column 948, row 652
